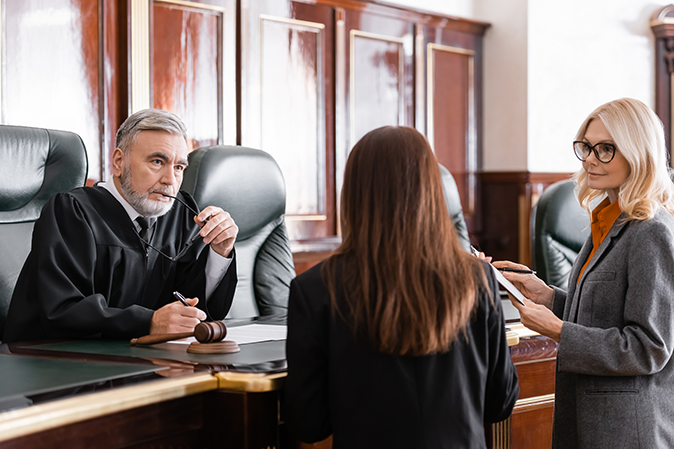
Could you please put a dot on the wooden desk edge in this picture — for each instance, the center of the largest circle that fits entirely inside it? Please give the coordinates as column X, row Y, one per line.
column 37, row 418
column 251, row 382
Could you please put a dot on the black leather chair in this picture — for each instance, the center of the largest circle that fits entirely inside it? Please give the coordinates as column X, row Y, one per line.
column 249, row 185
column 559, row 228
column 36, row 164
column 453, row 202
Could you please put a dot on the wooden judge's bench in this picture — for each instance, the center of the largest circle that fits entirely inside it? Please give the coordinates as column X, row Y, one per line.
column 530, row 425
column 108, row 394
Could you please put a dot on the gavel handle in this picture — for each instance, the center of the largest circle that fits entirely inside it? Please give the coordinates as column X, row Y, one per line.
column 159, row 338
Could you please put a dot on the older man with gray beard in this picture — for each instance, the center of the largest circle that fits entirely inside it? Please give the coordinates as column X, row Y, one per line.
column 105, row 260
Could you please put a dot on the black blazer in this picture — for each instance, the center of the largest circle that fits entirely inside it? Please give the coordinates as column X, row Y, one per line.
column 367, row 399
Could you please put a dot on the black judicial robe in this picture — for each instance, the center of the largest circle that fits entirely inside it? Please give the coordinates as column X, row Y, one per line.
column 88, row 274
column 339, row 385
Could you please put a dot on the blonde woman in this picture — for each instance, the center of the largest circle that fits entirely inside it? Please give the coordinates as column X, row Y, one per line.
column 614, row 384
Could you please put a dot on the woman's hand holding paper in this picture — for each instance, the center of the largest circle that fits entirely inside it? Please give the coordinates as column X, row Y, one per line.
column 536, row 315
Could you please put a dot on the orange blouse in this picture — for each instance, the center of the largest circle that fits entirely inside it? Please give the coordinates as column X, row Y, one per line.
column 603, row 217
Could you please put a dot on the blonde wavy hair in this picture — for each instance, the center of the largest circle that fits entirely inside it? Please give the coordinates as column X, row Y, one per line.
column 639, row 136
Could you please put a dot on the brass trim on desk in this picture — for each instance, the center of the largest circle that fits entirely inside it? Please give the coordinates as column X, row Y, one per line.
column 250, row 382
column 533, row 403
column 41, row 417
column 512, row 338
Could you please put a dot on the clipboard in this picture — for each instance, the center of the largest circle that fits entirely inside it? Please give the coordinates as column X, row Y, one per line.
column 505, row 283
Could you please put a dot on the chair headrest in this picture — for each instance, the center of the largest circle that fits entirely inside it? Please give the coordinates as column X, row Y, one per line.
column 38, row 163
column 561, row 216
column 245, row 182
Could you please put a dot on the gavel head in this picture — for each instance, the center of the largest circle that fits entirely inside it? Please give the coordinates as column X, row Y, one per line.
column 210, row 332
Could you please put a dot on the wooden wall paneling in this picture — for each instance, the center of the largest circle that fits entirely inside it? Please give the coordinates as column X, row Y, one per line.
column 51, row 69
column 507, row 199
column 287, row 105
column 453, row 114
column 193, row 67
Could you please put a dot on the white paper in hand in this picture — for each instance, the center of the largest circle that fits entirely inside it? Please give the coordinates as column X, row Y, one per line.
column 505, row 283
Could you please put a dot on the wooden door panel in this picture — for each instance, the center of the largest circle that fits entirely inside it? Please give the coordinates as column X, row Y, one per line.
column 452, row 99
column 287, row 103
column 379, row 69
column 451, row 128
column 376, row 82
column 186, row 80
column 292, row 124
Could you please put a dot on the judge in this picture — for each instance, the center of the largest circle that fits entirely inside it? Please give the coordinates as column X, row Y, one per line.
column 105, row 260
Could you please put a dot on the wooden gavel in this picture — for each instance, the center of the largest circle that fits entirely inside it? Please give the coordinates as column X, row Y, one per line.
column 204, row 333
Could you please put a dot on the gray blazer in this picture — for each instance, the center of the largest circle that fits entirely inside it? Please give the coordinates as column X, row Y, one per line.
column 614, row 385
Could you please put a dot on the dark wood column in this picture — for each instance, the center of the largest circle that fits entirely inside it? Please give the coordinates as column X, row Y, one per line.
column 662, row 24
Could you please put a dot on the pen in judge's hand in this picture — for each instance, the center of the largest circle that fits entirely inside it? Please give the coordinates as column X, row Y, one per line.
column 181, row 298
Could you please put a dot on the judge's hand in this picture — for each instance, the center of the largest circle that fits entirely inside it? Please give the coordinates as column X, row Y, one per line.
column 219, row 231
column 530, row 286
column 539, row 318
column 175, row 318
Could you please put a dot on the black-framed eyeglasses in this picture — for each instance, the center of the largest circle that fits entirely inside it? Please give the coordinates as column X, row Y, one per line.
column 189, row 243
column 604, row 152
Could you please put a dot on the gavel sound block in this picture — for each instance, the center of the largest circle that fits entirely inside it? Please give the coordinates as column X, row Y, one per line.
column 208, row 335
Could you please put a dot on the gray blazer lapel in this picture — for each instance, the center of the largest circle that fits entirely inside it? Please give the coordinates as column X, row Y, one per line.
column 618, row 226
column 575, row 269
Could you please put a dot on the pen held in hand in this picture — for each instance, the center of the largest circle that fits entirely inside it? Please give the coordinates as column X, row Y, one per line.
column 516, row 270
column 181, row 298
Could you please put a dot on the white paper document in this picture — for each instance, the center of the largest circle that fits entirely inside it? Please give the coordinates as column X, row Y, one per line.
column 250, row 333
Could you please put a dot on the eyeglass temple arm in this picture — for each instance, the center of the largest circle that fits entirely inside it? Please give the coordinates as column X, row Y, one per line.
column 187, row 206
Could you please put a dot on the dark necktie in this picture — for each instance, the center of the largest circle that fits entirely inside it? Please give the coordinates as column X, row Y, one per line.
column 145, row 225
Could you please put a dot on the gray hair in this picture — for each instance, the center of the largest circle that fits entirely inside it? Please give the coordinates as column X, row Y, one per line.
column 148, row 120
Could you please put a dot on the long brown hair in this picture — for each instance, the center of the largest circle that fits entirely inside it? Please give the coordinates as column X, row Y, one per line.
column 405, row 279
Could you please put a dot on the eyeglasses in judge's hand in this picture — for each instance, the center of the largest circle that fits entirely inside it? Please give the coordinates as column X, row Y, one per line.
column 604, row 152
column 189, row 243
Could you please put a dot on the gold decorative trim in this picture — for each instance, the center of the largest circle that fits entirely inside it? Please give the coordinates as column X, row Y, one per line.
column 420, row 86
column 341, row 144
column 139, row 95
column 37, row 418
column 512, row 338
column 523, row 231
column 352, row 77
column 306, row 217
column 289, row 21
column 661, row 17
column 471, row 143
column 529, row 404
column 250, row 382
column 317, row 28
column 193, row 5
column 501, row 434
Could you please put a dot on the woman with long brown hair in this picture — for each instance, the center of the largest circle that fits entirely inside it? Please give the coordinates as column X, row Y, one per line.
column 396, row 340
